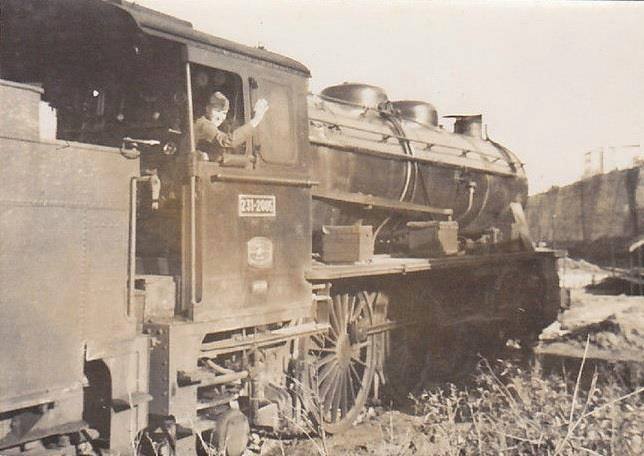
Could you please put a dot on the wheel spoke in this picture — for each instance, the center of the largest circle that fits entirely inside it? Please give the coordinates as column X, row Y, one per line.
column 333, row 318
column 352, row 308
column 358, row 311
column 317, row 340
column 325, row 360
column 359, row 361
column 337, row 394
column 325, row 349
column 325, row 372
column 353, row 371
column 344, row 401
column 344, row 309
column 328, row 385
column 329, row 341
column 366, row 298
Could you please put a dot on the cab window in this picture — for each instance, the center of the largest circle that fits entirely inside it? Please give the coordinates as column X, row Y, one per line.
column 205, row 82
column 276, row 134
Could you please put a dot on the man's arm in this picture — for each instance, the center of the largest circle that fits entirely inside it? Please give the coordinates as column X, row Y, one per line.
column 237, row 137
column 243, row 133
column 234, row 139
column 204, row 130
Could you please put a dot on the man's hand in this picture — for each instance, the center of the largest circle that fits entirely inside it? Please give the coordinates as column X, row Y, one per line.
column 260, row 109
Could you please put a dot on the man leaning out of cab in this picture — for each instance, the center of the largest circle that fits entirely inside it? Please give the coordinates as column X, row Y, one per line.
column 210, row 140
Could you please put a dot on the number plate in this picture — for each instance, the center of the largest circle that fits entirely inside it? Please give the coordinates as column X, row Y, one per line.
column 257, row 205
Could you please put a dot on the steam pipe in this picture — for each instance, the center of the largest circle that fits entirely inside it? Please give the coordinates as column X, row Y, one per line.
column 472, row 188
column 409, row 150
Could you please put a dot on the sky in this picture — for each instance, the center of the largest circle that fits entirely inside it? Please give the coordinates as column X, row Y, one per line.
column 553, row 80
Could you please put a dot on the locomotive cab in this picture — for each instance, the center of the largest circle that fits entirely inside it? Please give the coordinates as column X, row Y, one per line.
column 217, row 250
column 248, row 248
column 115, row 79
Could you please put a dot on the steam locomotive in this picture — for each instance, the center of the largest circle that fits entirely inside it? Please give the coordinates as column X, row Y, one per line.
column 155, row 302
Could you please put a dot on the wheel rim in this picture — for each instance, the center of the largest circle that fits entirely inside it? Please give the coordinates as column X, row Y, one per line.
column 344, row 362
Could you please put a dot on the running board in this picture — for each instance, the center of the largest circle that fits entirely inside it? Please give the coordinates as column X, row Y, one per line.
column 375, row 202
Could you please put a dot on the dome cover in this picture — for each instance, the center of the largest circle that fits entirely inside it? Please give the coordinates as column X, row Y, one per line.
column 359, row 94
column 420, row 111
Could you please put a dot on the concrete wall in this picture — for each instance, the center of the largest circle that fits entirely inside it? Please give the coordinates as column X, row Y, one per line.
column 595, row 218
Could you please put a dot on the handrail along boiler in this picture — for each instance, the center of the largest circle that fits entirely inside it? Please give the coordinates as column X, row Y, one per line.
column 155, row 301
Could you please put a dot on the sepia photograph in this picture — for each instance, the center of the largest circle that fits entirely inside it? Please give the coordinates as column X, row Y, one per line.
column 280, row 227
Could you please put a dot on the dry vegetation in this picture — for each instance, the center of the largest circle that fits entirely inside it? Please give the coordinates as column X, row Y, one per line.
column 518, row 412
column 505, row 410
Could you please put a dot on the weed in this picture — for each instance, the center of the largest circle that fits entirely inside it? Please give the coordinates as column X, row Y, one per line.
column 511, row 411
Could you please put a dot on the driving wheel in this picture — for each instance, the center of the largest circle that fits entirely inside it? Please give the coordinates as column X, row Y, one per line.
column 343, row 361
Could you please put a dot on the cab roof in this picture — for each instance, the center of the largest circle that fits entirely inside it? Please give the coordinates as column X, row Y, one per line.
column 169, row 27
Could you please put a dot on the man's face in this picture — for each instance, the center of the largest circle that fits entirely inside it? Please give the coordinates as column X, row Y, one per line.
column 216, row 117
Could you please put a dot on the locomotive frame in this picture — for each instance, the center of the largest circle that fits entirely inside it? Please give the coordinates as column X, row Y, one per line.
column 144, row 319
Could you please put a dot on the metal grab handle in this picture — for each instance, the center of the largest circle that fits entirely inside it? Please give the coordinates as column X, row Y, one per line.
column 136, row 142
column 155, row 184
column 193, row 244
column 255, row 143
column 131, row 265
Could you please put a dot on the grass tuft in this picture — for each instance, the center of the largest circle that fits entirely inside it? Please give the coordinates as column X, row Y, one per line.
column 524, row 413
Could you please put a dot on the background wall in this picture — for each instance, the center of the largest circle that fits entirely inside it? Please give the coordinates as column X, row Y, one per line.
column 595, row 218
